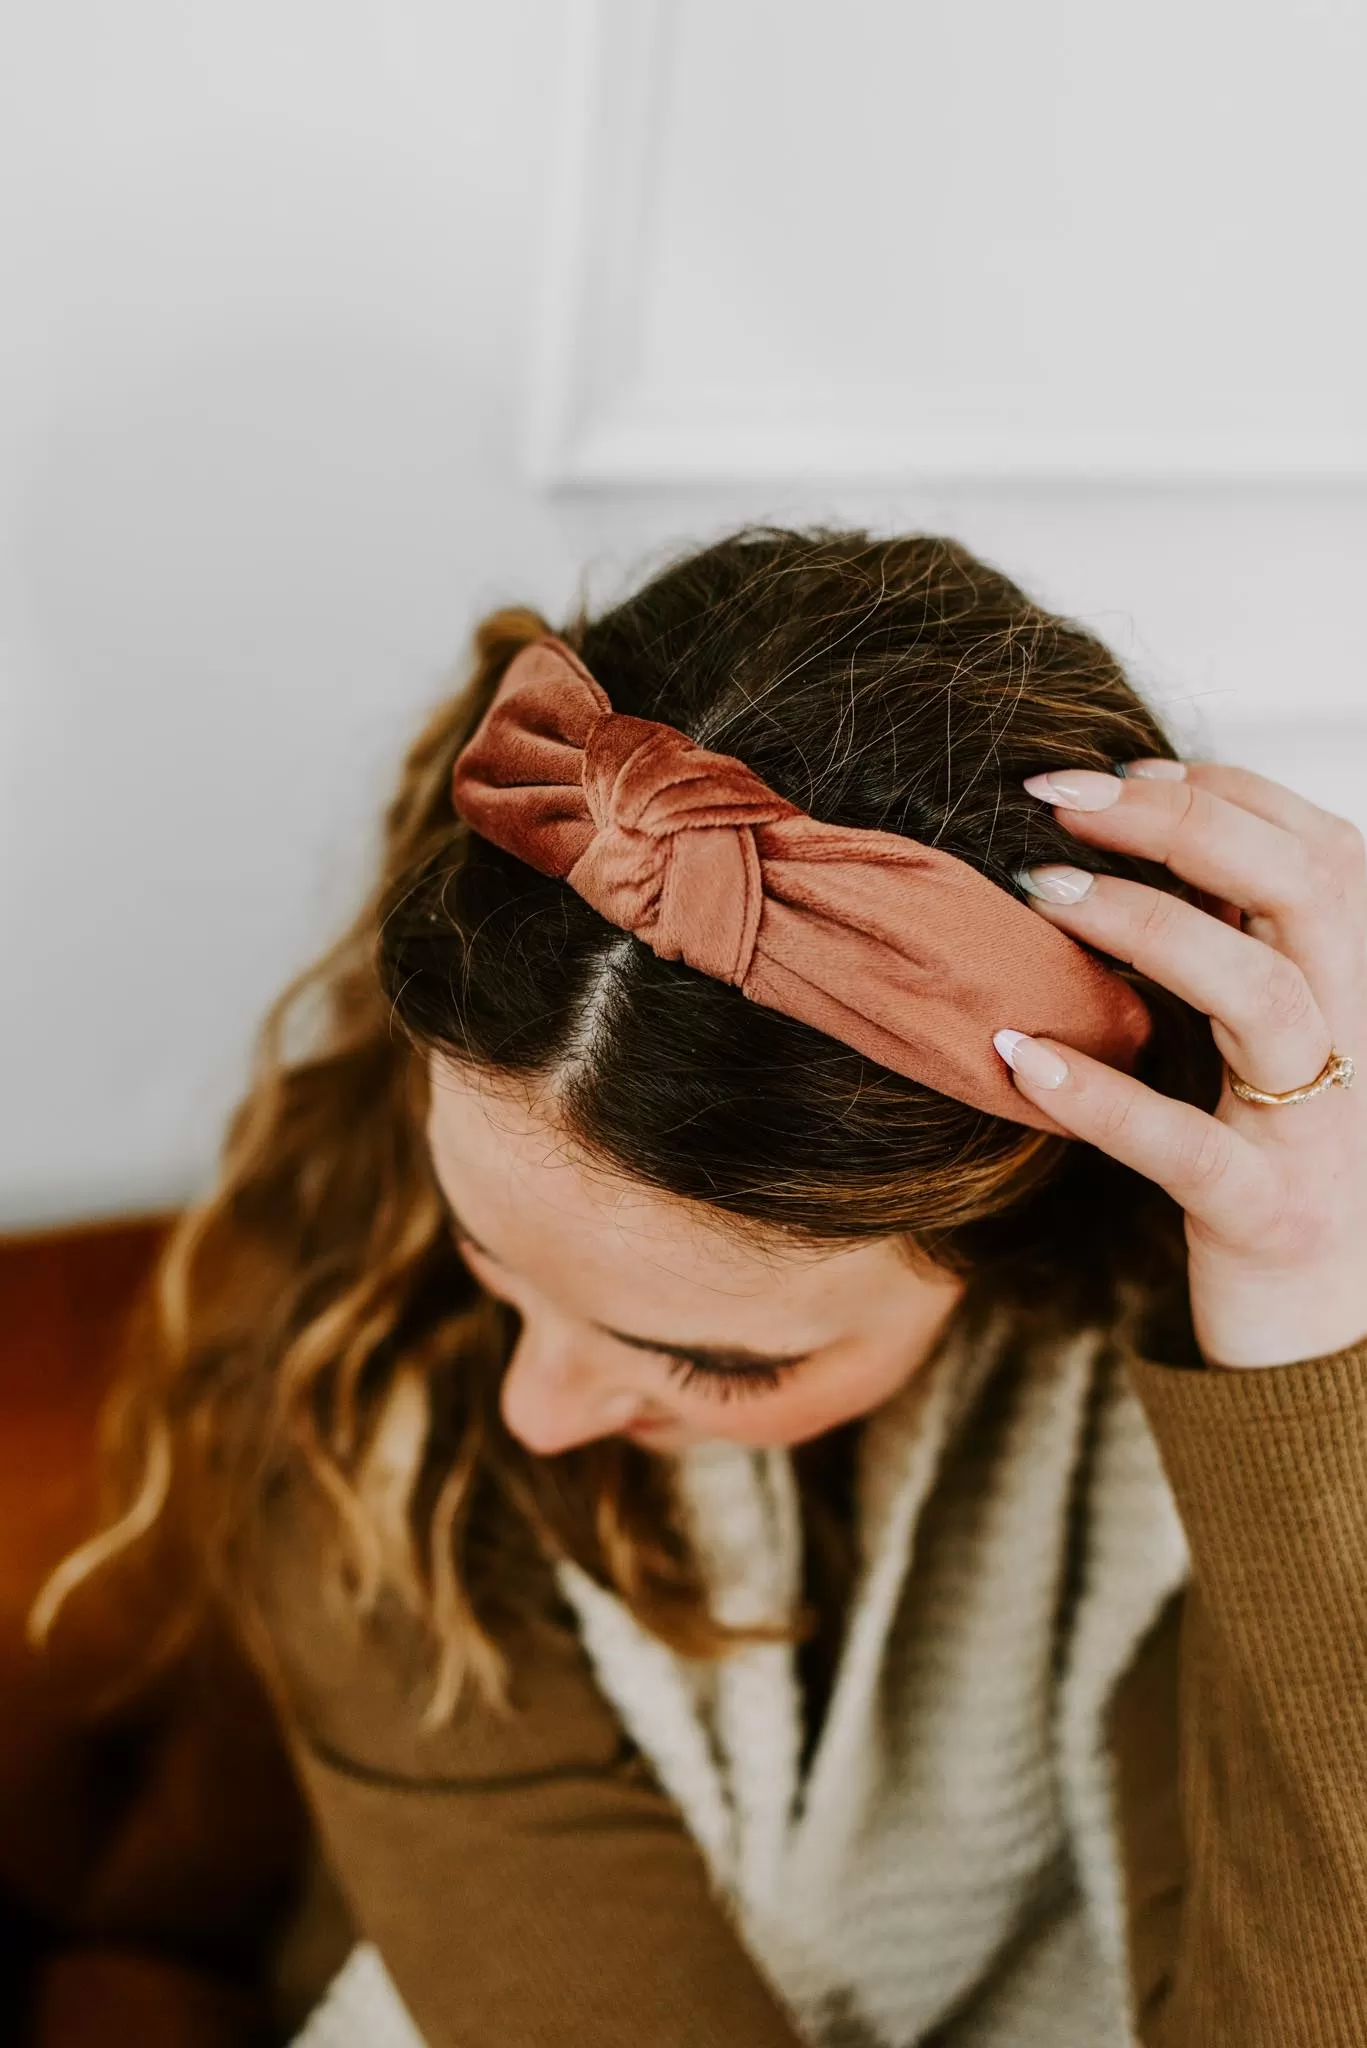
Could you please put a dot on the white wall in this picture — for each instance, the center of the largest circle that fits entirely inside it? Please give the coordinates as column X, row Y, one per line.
column 325, row 326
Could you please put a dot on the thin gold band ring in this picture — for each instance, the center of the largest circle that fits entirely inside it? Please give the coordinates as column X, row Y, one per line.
column 1337, row 1072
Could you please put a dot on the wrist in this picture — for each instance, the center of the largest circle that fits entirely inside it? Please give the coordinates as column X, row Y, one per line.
column 1258, row 1324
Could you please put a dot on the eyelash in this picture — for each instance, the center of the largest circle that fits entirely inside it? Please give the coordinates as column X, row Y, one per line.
column 724, row 1384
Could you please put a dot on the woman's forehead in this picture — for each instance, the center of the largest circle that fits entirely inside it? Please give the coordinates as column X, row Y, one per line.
column 525, row 1190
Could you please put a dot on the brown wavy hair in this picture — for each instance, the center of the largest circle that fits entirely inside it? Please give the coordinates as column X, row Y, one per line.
column 313, row 1310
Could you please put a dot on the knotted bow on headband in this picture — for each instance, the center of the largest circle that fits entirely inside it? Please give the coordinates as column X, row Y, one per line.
column 904, row 952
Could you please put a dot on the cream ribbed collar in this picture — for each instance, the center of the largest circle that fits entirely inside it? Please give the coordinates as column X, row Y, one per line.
column 949, row 1863
column 1017, row 1539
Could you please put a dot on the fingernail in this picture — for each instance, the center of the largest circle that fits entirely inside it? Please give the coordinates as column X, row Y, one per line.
column 1078, row 789
column 1031, row 1060
column 1159, row 769
column 1056, row 884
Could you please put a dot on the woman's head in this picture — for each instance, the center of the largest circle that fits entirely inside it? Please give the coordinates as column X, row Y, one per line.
column 898, row 685
column 640, row 1146
column 787, row 1196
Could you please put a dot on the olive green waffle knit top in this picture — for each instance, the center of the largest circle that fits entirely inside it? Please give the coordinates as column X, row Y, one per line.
column 561, row 1878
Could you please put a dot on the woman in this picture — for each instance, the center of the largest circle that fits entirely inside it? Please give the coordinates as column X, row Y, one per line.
column 788, row 1406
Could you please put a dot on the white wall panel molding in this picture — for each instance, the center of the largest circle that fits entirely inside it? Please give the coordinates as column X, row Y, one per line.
column 263, row 392
column 602, row 169
column 983, row 242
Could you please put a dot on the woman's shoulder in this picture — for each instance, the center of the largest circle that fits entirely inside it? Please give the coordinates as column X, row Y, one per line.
column 353, row 1687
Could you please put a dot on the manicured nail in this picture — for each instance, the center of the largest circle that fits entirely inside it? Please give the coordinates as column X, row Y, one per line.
column 1032, row 1061
column 1056, row 884
column 1159, row 769
column 1078, row 789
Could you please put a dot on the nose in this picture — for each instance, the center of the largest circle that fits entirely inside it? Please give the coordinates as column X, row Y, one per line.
column 554, row 1396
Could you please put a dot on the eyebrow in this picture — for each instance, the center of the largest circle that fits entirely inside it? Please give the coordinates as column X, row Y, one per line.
column 717, row 1358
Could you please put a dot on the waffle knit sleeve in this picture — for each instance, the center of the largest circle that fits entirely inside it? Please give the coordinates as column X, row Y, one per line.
column 1269, row 1933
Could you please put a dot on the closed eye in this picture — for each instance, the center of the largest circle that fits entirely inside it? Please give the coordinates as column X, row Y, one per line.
column 723, row 1381
column 721, row 1374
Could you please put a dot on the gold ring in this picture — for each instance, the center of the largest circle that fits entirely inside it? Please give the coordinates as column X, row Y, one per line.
column 1337, row 1072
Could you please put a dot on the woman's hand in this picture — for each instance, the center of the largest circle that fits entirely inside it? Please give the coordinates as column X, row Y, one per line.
column 1275, row 1196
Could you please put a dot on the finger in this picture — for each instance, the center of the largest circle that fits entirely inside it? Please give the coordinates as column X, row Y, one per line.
column 1253, row 791
column 1294, row 898
column 1335, row 837
column 1263, row 1012
column 1210, row 1169
column 1215, row 844
column 1336, row 840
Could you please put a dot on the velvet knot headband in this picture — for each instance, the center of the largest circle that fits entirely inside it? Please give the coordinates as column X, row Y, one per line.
column 898, row 949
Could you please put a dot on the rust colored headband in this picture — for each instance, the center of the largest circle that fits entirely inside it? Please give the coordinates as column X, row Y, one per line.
column 904, row 952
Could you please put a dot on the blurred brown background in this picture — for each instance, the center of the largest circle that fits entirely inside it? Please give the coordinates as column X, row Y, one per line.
column 158, row 1881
